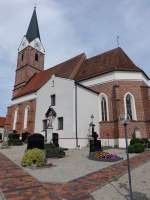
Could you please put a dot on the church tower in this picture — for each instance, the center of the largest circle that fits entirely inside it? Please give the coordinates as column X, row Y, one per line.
column 30, row 55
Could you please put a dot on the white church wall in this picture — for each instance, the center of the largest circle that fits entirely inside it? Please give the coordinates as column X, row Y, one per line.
column 87, row 105
column 24, row 98
column 112, row 76
column 63, row 89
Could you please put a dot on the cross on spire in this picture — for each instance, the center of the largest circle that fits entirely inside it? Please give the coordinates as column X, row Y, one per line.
column 118, row 41
column 35, row 6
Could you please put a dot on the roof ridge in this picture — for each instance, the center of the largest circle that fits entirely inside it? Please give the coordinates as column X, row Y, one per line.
column 105, row 52
column 77, row 68
column 64, row 62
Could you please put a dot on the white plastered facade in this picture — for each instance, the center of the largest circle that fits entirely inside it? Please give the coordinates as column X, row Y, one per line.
column 65, row 91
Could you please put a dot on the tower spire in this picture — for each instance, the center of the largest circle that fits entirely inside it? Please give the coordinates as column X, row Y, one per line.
column 33, row 29
column 32, row 37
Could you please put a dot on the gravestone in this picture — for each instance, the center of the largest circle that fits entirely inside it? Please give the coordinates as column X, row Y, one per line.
column 35, row 141
column 25, row 136
column 95, row 144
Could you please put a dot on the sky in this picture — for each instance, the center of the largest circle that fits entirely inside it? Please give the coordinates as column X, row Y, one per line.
column 68, row 28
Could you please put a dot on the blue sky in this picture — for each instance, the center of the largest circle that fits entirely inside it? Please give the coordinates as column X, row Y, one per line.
column 70, row 27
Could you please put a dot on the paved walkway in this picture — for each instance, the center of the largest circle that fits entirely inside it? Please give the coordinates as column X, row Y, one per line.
column 119, row 189
column 16, row 184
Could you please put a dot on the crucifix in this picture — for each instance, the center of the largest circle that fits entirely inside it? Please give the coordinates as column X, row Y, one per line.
column 118, row 41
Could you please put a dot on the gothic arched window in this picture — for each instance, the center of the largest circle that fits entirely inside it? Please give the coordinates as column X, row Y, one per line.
column 130, row 110
column 104, row 108
column 15, row 119
column 26, row 115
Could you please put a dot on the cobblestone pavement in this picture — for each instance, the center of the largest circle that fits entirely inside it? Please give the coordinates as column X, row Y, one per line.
column 74, row 165
column 16, row 184
column 119, row 189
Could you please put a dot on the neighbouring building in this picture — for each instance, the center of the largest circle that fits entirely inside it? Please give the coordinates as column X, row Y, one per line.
column 105, row 86
column 2, row 126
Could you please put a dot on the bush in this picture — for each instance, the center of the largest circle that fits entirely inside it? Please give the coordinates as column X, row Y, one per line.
column 36, row 156
column 54, row 152
column 14, row 142
column 131, row 149
column 13, row 136
column 48, row 146
column 135, row 141
column 136, row 148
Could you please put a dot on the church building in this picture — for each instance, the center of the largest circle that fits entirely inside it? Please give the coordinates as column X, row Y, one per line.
column 80, row 90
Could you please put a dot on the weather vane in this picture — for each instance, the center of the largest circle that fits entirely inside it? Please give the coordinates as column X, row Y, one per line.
column 118, row 41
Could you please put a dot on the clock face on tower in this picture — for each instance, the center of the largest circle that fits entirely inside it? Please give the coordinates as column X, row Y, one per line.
column 24, row 44
column 37, row 45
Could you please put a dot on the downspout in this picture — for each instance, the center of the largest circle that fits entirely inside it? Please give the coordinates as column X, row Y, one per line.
column 76, row 115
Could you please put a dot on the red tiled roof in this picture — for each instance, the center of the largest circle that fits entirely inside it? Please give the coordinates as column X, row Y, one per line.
column 2, row 121
column 113, row 60
column 80, row 68
column 65, row 70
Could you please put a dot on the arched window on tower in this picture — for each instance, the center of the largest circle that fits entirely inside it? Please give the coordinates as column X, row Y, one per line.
column 15, row 119
column 26, row 116
column 22, row 56
column 36, row 56
column 130, row 110
column 104, row 115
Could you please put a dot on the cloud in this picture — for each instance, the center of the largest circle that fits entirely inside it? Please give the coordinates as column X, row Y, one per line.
column 70, row 27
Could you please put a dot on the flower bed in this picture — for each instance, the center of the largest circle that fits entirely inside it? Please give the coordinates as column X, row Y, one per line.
column 104, row 156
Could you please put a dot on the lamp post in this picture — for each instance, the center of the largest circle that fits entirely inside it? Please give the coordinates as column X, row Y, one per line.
column 125, row 121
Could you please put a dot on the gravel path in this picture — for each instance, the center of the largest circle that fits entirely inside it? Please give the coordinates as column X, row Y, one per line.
column 118, row 190
column 75, row 164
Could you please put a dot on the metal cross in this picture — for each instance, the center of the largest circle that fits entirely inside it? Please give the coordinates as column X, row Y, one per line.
column 118, row 41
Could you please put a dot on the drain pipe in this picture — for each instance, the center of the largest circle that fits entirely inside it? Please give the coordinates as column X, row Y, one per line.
column 76, row 116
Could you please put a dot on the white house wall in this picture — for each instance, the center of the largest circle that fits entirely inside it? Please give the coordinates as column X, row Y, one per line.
column 87, row 104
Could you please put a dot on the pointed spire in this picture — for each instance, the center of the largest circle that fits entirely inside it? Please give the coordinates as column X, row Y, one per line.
column 33, row 29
